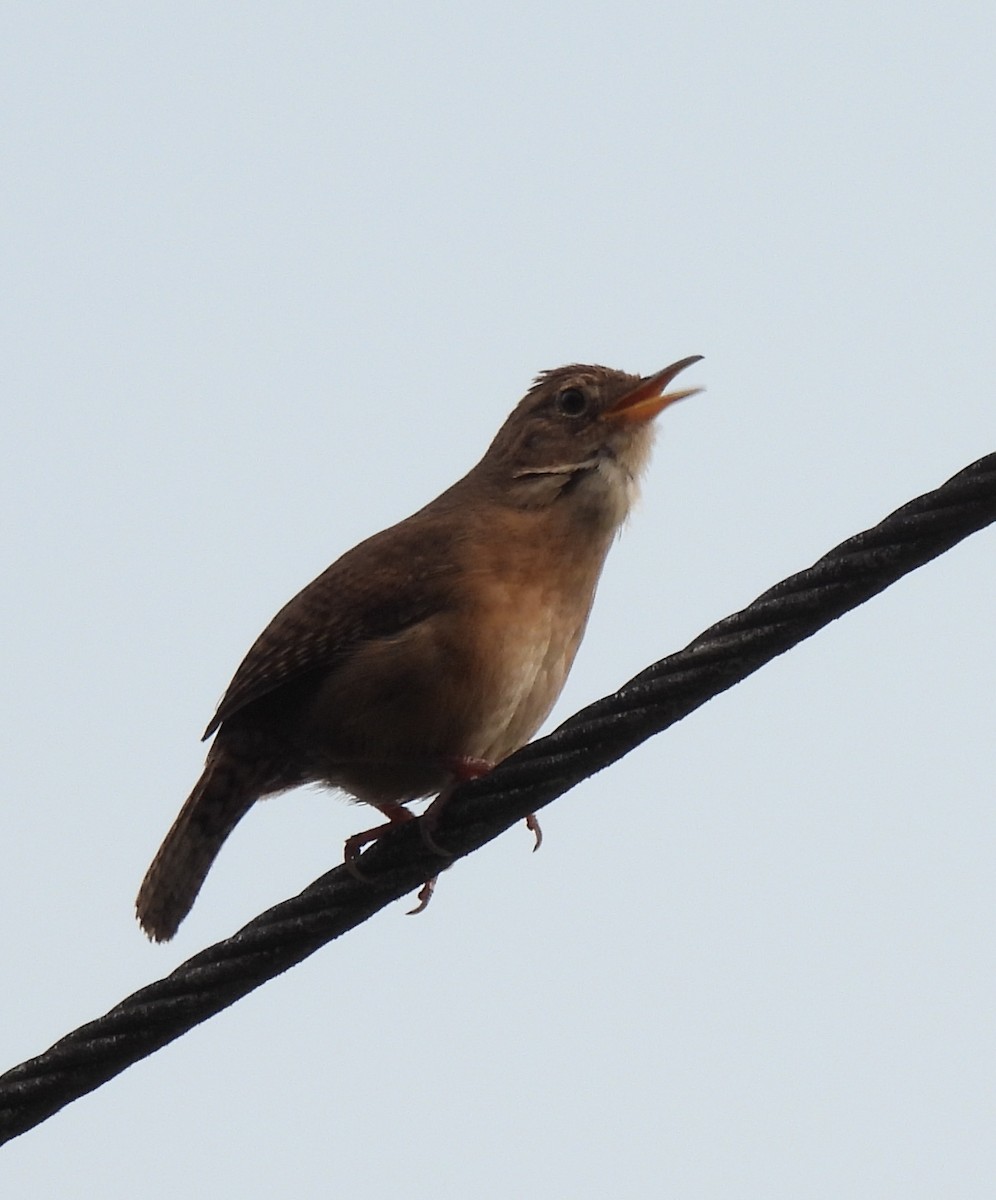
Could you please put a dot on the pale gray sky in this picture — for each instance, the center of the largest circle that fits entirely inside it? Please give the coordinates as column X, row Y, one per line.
column 273, row 275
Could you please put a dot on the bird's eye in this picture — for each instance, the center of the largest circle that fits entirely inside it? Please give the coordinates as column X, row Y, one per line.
column 572, row 402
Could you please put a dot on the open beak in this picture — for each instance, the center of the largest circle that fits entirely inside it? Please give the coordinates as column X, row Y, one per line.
column 649, row 398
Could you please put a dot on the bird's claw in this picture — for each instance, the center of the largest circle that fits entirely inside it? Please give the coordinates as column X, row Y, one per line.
column 424, row 896
column 534, row 828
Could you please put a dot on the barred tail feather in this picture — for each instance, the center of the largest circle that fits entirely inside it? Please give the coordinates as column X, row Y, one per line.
column 218, row 802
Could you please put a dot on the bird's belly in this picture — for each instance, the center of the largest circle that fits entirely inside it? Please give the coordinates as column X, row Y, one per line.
column 526, row 669
column 389, row 724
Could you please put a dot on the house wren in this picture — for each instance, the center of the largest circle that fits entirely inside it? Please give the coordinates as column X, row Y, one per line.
column 434, row 649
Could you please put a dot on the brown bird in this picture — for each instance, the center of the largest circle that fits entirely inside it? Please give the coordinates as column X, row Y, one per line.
column 434, row 649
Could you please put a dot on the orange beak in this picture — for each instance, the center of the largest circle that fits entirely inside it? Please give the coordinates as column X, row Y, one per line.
column 648, row 398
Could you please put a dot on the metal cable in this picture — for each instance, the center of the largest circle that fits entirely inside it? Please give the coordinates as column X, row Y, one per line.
column 482, row 809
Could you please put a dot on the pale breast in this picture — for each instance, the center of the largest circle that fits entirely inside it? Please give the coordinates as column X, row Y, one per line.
column 530, row 639
column 530, row 588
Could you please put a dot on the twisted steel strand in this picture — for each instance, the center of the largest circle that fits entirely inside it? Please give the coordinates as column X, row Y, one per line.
column 600, row 734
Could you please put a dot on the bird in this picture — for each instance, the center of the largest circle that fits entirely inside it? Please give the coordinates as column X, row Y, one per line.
column 434, row 649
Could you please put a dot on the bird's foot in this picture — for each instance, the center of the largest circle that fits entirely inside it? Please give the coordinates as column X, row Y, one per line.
column 428, row 821
column 396, row 815
column 423, row 897
column 534, row 828
column 464, row 768
column 473, row 768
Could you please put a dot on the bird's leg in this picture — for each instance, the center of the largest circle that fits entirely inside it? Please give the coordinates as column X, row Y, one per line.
column 396, row 814
column 462, row 768
column 475, row 768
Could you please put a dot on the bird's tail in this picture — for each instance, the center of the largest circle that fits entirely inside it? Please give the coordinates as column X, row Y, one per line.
column 220, row 799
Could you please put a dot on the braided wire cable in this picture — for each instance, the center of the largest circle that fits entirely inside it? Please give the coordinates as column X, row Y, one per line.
column 483, row 808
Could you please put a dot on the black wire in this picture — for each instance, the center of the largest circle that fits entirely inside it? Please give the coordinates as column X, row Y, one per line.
column 482, row 809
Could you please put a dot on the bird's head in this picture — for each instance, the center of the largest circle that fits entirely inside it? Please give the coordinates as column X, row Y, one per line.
column 581, row 435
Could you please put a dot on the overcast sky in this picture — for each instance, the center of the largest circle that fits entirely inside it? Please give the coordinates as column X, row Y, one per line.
column 273, row 276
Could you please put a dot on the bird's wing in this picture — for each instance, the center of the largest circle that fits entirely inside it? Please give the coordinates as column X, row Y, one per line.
column 376, row 590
